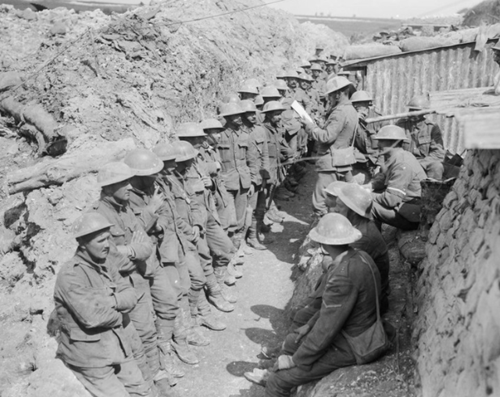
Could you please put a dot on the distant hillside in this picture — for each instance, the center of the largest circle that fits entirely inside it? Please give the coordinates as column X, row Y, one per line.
column 353, row 27
column 106, row 8
column 487, row 12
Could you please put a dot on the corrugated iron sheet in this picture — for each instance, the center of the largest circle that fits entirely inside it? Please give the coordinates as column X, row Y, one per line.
column 394, row 80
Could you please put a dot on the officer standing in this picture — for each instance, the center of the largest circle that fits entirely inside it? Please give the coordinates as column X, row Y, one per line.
column 334, row 141
column 397, row 192
column 92, row 301
column 425, row 138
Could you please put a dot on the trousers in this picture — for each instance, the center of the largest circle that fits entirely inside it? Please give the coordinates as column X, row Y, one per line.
column 220, row 245
column 122, row 380
column 392, row 217
column 239, row 199
column 163, row 294
column 433, row 167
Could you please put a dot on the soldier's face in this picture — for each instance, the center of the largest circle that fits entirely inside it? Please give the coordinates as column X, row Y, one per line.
column 251, row 117
column 247, row 95
column 97, row 246
column 307, row 70
column 119, row 191
column 385, row 145
column 341, row 208
column 275, row 117
column 196, row 141
column 330, row 69
column 213, row 136
column 169, row 166
column 305, row 85
column 292, row 83
column 330, row 201
column 235, row 119
column 363, row 108
column 315, row 73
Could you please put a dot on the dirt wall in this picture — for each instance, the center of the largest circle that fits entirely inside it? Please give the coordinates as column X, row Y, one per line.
column 114, row 82
column 458, row 324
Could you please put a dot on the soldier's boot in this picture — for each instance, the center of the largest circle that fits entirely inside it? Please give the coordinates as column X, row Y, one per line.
column 142, row 363
column 206, row 318
column 231, row 266
column 179, row 343
column 165, row 330
column 164, row 386
column 221, row 275
column 253, row 239
column 215, row 297
column 153, row 358
column 195, row 335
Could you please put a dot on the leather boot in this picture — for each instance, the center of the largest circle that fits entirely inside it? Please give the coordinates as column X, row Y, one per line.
column 214, row 295
column 206, row 318
column 195, row 335
column 179, row 341
column 252, row 239
column 231, row 267
column 153, row 359
column 165, row 329
column 221, row 275
column 164, row 388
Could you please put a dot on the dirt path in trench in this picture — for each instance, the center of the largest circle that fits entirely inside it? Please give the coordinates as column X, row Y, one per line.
column 258, row 319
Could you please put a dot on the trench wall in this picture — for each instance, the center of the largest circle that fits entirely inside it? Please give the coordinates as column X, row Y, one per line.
column 457, row 327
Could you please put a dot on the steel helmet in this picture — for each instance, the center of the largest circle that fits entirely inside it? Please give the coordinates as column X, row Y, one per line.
column 319, row 47
column 248, row 106
column 189, row 130
column 290, row 74
column 89, row 223
column 337, row 83
column 231, row 98
column 316, row 67
column 270, row 92
column 305, row 77
column 419, row 102
column 334, row 229
column 249, row 88
column 332, row 62
column 254, row 82
column 230, row 109
column 185, row 151
column 143, row 162
column 305, row 64
column 259, row 101
column 333, row 188
column 361, row 96
column 114, row 172
column 165, row 151
column 356, row 198
column 211, row 124
column 317, row 60
column 391, row 133
column 272, row 106
column 281, row 85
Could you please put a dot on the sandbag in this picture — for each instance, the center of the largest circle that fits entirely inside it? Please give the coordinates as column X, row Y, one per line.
column 371, row 50
column 423, row 43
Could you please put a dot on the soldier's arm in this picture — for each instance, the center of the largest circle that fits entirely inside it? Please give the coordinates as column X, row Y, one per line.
column 399, row 179
column 91, row 307
column 339, row 299
column 125, row 296
column 252, row 160
column 329, row 134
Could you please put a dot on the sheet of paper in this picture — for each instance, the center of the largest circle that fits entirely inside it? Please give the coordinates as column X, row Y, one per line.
column 301, row 111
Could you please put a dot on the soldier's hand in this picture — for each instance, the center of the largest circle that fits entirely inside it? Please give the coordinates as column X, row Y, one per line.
column 196, row 234
column 207, row 181
column 283, row 362
column 157, row 200
column 251, row 190
column 301, row 332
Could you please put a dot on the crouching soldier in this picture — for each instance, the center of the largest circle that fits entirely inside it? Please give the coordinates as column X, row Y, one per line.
column 334, row 335
column 92, row 300
column 397, row 192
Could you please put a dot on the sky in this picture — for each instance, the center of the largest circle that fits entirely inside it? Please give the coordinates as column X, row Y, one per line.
column 375, row 8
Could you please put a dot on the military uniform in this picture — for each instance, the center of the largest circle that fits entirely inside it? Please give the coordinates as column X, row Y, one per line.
column 91, row 300
column 239, row 168
column 347, row 306
column 136, row 269
column 399, row 203
column 426, row 144
column 337, row 133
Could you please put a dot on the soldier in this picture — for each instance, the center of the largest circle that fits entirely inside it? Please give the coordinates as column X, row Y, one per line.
column 322, row 339
column 425, row 138
column 221, row 247
column 355, row 203
column 257, row 201
column 157, row 219
column 396, row 197
column 239, row 165
column 190, row 222
column 131, row 241
column 305, row 83
column 294, row 91
column 248, row 91
column 334, row 141
column 332, row 67
column 92, row 301
column 319, row 82
column 306, row 67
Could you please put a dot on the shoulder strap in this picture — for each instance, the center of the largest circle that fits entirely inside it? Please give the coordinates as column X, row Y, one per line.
column 376, row 289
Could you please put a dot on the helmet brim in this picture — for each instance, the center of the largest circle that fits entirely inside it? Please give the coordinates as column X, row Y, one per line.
column 149, row 171
column 352, row 237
